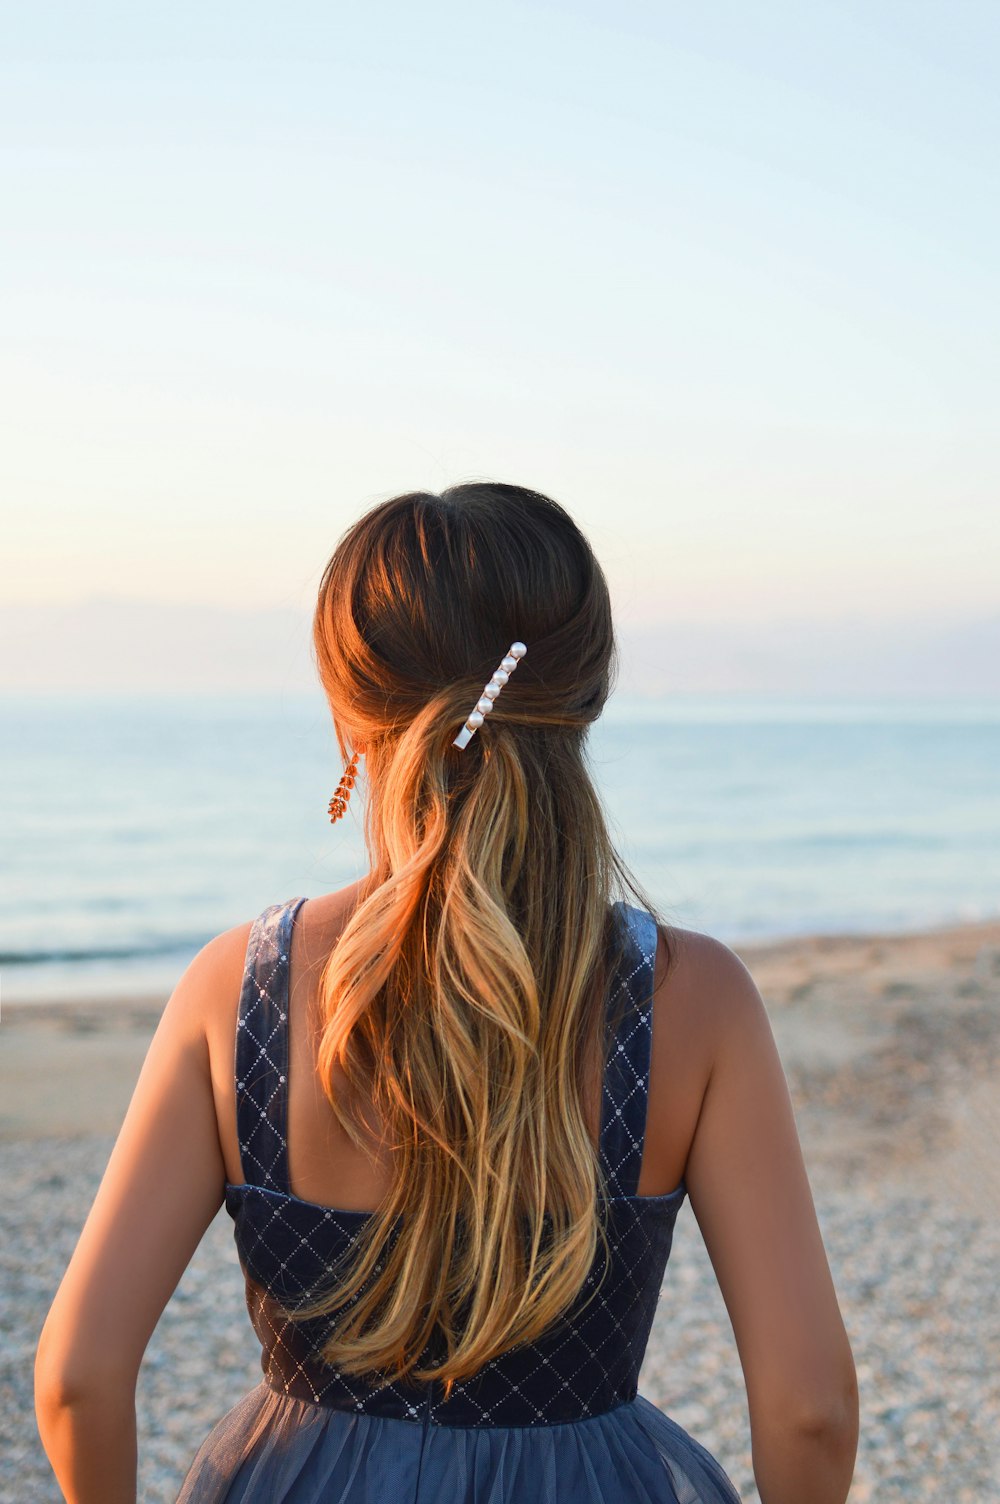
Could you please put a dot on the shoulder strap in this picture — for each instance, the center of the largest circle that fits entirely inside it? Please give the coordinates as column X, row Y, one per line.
column 629, row 1047
column 262, row 1048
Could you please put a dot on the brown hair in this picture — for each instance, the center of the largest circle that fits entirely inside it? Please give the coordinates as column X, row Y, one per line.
column 465, row 996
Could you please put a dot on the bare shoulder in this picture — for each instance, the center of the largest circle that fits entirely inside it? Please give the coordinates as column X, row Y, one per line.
column 703, row 987
column 699, row 985
column 214, row 978
column 203, row 988
column 694, row 955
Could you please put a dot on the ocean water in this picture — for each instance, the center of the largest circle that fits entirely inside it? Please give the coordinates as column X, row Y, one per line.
column 134, row 830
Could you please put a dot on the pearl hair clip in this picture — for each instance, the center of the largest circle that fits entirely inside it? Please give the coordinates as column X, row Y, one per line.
column 515, row 652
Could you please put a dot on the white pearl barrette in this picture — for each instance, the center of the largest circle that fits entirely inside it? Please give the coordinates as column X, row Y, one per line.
column 515, row 652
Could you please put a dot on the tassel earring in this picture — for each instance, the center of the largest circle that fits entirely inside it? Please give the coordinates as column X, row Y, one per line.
column 338, row 802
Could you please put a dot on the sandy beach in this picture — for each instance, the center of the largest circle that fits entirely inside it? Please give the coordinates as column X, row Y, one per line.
column 890, row 1044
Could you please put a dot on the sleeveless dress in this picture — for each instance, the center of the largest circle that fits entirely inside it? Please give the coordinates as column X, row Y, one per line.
column 559, row 1421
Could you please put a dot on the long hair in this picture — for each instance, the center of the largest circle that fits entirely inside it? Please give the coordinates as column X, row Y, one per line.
column 465, row 996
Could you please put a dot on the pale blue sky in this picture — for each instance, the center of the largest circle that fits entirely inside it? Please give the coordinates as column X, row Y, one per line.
column 720, row 278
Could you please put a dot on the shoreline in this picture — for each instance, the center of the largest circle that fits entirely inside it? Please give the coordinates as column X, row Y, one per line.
column 766, row 951
column 888, row 1041
column 131, row 986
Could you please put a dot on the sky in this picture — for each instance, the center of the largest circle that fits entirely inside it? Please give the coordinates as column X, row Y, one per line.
column 721, row 279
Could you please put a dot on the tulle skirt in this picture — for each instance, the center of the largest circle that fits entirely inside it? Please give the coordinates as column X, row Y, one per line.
column 271, row 1448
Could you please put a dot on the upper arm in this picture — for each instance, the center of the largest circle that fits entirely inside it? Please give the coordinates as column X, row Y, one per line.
column 164, row 1183
column 750, row 1193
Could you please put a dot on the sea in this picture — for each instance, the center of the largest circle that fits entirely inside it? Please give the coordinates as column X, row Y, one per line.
column 132, row 830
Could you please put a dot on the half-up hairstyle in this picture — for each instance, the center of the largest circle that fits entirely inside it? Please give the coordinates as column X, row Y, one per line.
column 465, row 998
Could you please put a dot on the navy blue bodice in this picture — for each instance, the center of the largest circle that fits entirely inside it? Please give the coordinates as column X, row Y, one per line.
column 588, row 1362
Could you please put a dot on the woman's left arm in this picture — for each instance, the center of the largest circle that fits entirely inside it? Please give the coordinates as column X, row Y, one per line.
column 164, row 1183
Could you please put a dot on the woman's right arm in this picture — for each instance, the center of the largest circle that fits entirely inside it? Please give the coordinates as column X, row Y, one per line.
column 750, row 1193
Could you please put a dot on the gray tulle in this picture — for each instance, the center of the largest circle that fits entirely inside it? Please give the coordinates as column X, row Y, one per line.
column 271, row 1448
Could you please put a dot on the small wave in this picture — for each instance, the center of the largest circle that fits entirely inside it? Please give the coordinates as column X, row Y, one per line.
column 174, row 946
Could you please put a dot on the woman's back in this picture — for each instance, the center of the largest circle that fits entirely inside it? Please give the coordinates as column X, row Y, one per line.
column 556, row 1418
column 324, row 1164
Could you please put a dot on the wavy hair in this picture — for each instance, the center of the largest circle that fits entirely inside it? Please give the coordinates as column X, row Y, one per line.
column 465, row 998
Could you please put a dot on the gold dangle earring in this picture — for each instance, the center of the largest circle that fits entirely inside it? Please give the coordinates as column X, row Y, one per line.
column 338, row 802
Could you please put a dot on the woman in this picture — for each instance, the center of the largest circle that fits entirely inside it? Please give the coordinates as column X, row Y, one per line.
column 455, row 1108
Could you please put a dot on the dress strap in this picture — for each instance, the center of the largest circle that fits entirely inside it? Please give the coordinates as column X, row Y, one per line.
column 262, row 1049
column 629, row 1050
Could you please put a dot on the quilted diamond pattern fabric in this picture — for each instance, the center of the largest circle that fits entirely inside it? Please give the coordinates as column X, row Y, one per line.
column 579, row 1380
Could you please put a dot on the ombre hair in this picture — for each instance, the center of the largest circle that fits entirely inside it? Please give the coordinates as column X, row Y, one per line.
column 465, row 998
